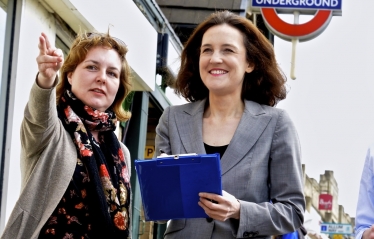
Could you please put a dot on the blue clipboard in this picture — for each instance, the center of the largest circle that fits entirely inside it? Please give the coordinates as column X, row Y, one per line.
column 170, row 185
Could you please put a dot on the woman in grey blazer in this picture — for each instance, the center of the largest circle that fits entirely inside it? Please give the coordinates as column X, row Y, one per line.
column 75, row 172
column 230, row 75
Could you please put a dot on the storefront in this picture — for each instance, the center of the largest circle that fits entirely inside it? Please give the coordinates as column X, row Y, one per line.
column 22, row 21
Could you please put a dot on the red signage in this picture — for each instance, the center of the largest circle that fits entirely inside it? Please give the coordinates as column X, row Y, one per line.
column 325, row 202
column 322, row 11
column 304, row 31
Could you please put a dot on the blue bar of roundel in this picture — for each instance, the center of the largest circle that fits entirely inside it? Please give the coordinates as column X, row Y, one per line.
column 319, row 6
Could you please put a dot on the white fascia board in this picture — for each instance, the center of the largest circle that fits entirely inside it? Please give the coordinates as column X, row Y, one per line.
column 173, row 60
column 124, row 21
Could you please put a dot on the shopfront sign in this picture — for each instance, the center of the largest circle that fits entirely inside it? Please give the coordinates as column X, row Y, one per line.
column 325, row 202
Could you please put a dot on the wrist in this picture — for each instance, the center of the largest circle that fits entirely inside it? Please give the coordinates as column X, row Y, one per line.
column 45, row 82
column 237, row 214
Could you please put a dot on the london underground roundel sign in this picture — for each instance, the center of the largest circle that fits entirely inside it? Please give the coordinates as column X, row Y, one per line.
column 323, row 10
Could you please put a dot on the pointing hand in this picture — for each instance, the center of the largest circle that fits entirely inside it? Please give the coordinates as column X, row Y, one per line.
column 49, row 61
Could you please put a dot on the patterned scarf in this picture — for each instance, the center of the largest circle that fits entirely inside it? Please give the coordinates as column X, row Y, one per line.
column 105, row 163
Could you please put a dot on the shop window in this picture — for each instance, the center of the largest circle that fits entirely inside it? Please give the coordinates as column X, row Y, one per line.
column 2, row 35
column 60, row 44
column 64, row 35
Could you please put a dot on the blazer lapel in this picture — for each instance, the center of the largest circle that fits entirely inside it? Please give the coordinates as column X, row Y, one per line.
column 190, row 127
column 250, row 128
column 252, row 124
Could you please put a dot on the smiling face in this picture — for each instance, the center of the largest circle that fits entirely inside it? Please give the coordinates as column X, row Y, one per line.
column 223, row 61
column 95, row 80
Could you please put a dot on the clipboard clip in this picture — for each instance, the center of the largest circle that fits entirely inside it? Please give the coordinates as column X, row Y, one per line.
column 178, row 159
column 176, row 156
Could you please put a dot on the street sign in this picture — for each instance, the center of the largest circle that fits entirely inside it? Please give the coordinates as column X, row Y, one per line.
column 149, row 151
column 334, row 5
column 334, row 228
column 323, row 10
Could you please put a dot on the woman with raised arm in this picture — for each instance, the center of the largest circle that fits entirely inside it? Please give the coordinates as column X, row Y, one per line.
column 75, row 172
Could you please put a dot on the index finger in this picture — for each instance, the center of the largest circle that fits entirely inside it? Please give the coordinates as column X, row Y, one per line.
column 210, row 197
column 42, row 46
column 47, row 43
column 206, row 195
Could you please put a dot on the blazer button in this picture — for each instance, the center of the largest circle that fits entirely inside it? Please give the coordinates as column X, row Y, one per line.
column 250, row 234
column 209, row 219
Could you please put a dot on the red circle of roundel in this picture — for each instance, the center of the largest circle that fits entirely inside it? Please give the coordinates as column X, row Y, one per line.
column 321, row 18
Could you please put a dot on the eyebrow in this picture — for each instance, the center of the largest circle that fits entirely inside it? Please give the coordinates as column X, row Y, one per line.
column 224, row 45
column 98, row 63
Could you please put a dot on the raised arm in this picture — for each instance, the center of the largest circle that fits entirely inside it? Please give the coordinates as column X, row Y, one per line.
column 40, row 115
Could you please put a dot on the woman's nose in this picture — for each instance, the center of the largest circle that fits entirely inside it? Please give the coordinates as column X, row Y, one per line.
column 101, row 77
column 216, row 57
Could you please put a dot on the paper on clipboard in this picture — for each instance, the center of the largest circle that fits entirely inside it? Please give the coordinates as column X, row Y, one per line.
column 170, row 185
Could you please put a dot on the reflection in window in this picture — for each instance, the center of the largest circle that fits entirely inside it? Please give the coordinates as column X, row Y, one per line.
column 60, row 44
column 2, row 36
column 64, row 35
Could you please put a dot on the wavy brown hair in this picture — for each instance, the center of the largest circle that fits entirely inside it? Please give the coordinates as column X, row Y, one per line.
column 82, row 44
column 264, row 85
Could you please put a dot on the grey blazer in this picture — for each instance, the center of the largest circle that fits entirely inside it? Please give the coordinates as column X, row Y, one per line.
column 261, row 168
column 48, row 160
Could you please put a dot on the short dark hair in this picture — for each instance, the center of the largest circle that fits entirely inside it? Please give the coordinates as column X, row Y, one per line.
column 264, row 85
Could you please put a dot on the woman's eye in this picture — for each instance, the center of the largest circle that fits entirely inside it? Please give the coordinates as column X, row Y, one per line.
column 113, row 74
column 206, row 50
column 228, row 50
column 91, row 67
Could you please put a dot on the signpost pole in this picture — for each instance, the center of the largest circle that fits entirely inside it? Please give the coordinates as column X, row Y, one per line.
column 294, row 44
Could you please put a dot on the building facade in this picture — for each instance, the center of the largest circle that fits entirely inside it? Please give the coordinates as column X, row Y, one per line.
column 154, row 32
column 315, row 204
column 139, row 23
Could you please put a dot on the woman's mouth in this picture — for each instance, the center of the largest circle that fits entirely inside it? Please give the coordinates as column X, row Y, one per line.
column 217, row 72
column 98, row 91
